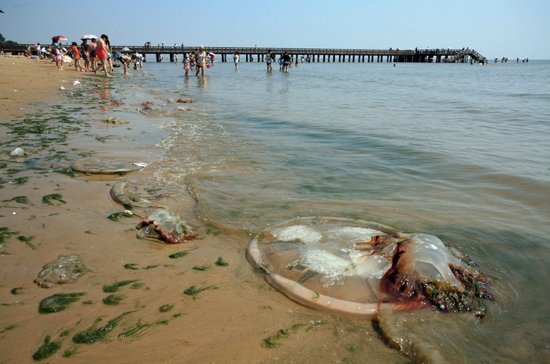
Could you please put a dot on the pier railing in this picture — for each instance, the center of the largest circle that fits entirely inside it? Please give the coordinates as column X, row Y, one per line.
column 257, row 54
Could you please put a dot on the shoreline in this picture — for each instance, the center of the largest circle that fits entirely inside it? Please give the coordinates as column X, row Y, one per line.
column 226, row 323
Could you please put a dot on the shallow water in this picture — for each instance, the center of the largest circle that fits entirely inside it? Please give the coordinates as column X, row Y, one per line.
column 456, row 151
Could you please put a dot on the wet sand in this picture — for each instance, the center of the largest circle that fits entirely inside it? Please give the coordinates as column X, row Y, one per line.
column 226, row 323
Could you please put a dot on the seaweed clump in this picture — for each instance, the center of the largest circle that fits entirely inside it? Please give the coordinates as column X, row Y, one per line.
column 111, row 288
column 58, row 302
column 47, row 349
column 94, row 334
column 113, row 299
column 193, row 291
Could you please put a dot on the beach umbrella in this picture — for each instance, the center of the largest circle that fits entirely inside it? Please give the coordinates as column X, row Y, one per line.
column 89, row 36
column 59, row 38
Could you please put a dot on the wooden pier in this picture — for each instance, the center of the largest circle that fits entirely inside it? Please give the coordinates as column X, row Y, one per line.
column 257, row 54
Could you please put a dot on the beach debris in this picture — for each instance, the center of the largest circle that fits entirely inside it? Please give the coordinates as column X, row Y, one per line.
column 179, row 254
column 54, row 199
column 140, row 164
column 114, row 121
column 64, row 269
column 16, row 290
column 105, row 166
column 202, row 268
column 115, row 216
column 184, row 101
column 58, row 302
column 164, row 226
column 61, row 87
column 274, row 340
column 146, row 107
column 356, row 267
column 76, row 82
column 193, row 291
column 17, row 152
column 220, row 262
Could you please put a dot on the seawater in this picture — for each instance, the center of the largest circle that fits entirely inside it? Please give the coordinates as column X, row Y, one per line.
column 454, row 150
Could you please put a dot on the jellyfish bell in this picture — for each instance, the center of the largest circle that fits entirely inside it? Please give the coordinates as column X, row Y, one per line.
column 354, row 267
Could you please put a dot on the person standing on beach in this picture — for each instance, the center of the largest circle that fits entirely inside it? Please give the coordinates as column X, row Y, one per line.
column 85, row 52
column 109, row 53
column 186, row 65
column 236, row 60
column 269, row 61
column 92, row 49
column 101, row 52
column 200, row 61
column 58, row 56
column 286, row 60
column 76, row 57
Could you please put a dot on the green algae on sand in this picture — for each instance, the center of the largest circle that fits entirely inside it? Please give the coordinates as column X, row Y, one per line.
column 178, row 254
column 111, row 288
column 202, row 267
column 58, row 302
column 166, row 308
column 193, row 291
column 94, row 334
column 273, row 341
column 54, row 199
column 221, row 262
column 6, row 233
column 47, row 349
column 113, row 299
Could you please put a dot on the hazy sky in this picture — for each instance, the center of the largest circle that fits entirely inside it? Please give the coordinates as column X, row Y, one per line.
column 495, row 28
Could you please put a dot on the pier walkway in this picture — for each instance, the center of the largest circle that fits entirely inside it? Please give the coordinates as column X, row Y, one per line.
column 257, row 54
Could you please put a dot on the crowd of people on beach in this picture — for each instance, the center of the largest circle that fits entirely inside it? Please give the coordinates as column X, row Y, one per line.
column 94, row 54
column 201, row 59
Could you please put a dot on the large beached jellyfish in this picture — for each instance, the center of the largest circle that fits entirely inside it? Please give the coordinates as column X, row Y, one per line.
column 354, row 267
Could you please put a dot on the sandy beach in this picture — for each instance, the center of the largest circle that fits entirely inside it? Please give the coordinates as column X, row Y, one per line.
column 155, row 321
column 26, row 82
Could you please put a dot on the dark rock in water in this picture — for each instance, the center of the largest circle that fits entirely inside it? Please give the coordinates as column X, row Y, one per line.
column 58, row 302
column 65, row 269
column 184, row 101
column 164, row 226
